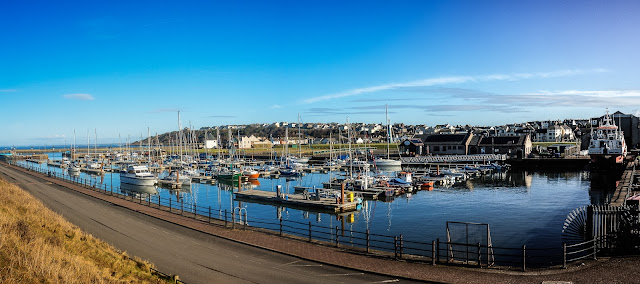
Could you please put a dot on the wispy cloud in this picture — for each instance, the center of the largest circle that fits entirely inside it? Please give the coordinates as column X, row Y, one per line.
column 164, row 110
column 276, row 106
column 52, row 137
column 453, row 80
column 546, row 98
column 81, row 97
column 8, row 90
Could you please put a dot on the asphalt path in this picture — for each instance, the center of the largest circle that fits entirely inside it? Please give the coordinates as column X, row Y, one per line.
column 194, row 256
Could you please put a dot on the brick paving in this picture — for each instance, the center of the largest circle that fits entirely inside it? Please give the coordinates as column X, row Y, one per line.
column 602, row 271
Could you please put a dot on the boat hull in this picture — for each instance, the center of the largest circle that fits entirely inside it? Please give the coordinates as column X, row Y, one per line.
column 138, row 181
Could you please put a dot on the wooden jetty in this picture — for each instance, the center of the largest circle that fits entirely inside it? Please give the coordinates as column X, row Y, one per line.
column 297, row 200
column 169, row 184
column 628, row 185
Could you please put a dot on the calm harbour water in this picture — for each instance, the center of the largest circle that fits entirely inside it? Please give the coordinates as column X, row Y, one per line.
column 520, row 207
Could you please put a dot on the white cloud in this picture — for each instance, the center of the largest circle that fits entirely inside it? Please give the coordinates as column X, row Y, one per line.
column 276, row 106
column 81, row 97
column 453, row 80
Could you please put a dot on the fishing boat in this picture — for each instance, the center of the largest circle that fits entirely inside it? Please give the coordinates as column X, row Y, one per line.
column 607, row 145
column 137, row 175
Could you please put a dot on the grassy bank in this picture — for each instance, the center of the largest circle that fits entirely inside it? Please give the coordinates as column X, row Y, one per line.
column 39, row 246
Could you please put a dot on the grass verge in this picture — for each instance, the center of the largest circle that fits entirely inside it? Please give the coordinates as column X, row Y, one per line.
column 39, row 246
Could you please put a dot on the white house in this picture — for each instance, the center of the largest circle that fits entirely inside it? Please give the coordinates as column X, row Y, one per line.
column 210, row 144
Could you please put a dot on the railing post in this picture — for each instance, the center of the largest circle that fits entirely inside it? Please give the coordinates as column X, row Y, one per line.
column 524, row 257
column 209, row 221
column 564, row 255
column 181, row 206
column 149, row 199
column 437, row 249
column 595, row 248
column 337, row 238
column 433, row 252
column 309, row 231
column 367, row 240
column 233, row 219
column 401, row 245
column 280, row 226
column 245, row 220
column 479, row 258
column 395, row 247
column 225, row 218
column 169, row 203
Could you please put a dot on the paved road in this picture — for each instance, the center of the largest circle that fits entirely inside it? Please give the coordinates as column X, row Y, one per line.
column 194, row 256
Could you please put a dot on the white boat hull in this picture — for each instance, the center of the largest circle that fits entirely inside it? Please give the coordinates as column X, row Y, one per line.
column 387, row 162
column 138, row 180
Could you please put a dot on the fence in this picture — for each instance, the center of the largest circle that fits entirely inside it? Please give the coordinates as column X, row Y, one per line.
column 390, row 246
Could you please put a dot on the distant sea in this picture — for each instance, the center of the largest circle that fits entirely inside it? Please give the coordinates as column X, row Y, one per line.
column 79, row 146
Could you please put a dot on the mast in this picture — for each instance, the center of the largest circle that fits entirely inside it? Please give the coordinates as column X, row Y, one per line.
column 88, row 145
column 179, row 138
column 95, row 143
column 386, row 111
column 218, row 141
column 299, row 141
column 149, row 146
column 350, row 154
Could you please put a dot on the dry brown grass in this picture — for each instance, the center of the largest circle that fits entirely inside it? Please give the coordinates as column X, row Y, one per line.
column 39, row 246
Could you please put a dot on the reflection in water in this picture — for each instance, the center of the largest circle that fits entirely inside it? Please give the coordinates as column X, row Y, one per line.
column 511, row 179
column 506, row 201
column 602, row 188
column 132, row 190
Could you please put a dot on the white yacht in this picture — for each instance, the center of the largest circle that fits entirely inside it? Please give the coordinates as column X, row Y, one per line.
column 137, row 175
column 74, row 169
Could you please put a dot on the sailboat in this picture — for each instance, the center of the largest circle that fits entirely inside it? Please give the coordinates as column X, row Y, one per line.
column 299, row 159
column 229, row 173
column 388, row 161
column 74, row 168
column 93, row 164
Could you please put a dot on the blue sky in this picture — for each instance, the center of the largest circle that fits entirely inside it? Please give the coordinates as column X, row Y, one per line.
column 122, row 66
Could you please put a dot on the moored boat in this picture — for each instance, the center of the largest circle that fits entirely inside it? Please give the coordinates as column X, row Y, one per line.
column 607, row 145
column 138, row 175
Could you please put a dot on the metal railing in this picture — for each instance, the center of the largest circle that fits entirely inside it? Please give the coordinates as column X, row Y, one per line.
column 390, row 246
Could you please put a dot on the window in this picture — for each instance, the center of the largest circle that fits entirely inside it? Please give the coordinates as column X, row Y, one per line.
column 436, row 148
